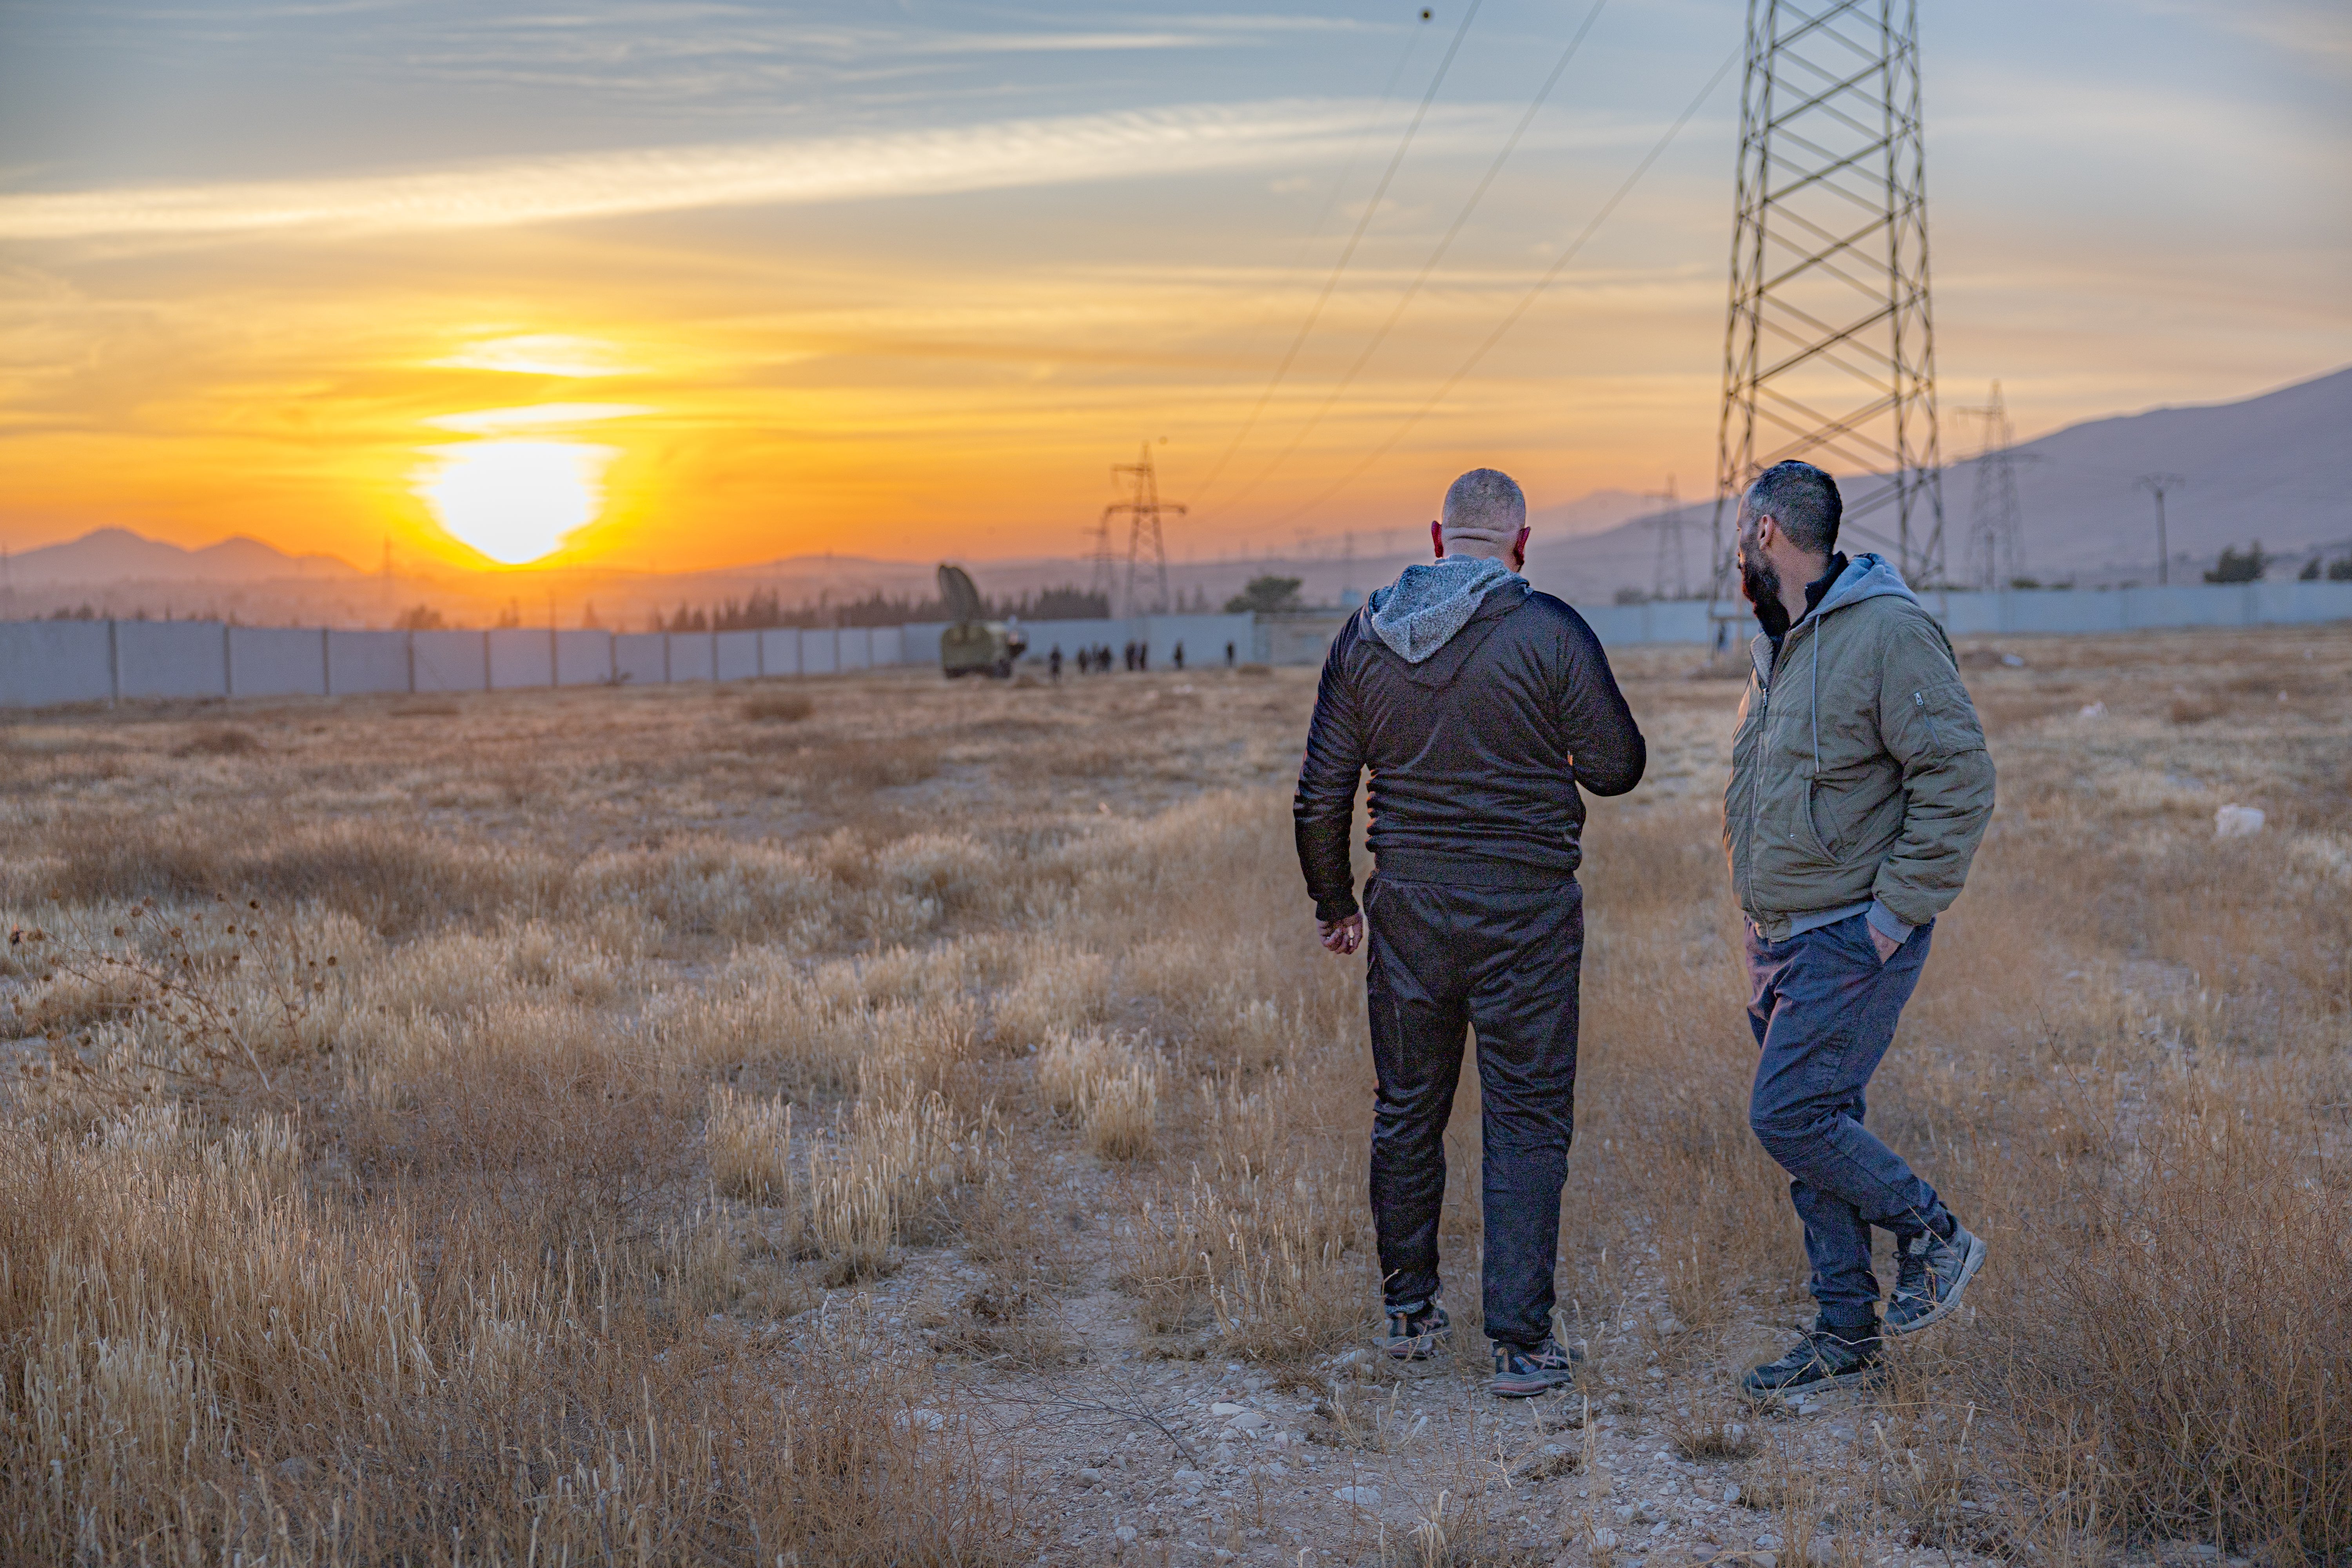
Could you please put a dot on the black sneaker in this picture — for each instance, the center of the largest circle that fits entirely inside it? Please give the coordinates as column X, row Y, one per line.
column 1819, row 1360
column 1520, row 1375
column 1416, row 1334
column 1929, row 1277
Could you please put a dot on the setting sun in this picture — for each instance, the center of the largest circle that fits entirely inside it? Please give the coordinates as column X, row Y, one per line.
column 514, row 501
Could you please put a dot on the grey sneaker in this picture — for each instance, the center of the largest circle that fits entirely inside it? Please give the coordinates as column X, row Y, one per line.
column 1520, row 1375
column 1930, row 1275
column 1819, row 1360
column 1416, row 1334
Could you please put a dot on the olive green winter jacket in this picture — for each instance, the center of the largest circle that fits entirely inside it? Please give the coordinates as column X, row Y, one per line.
column 1859, row 779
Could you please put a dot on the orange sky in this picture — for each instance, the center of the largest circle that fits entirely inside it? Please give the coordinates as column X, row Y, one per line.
column 732, row 328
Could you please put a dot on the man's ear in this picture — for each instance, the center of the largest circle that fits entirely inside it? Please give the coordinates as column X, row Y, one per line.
column 1767, row 529
column 1437, row 539
column 1519, row 550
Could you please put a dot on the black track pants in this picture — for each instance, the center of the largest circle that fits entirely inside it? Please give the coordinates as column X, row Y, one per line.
column 1505, row 960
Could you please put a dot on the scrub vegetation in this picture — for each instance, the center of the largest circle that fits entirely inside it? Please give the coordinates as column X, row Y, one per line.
column 830, row 1125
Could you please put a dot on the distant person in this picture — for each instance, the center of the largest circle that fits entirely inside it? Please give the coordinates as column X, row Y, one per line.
column 1479, row 705
column 1143, row 657
column 1054, row 664
column 1860, row 788
column 1177, row 657
column 1229, row 655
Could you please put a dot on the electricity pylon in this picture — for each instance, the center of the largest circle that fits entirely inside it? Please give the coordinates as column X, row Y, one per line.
column 1830, row 349
column 1996, row 519
column 1143, row 511
column 1669, row 526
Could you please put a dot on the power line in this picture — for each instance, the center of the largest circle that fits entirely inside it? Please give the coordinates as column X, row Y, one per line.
column 1435, row 256
column 1348, row 254
column 1540, row 284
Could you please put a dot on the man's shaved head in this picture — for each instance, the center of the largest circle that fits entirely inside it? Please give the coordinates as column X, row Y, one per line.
column 1485, row 511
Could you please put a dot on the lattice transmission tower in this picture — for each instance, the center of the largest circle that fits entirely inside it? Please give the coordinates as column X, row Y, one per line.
column 1143, row 510
column 1996, row 517
column 1830, row 351
column 1673, row 566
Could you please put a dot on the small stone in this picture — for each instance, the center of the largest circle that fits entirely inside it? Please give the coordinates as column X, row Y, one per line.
column 1731, row 1492
column 1660, row 1528
column 1768, row 1541
column 1090, row 1477
column 1670, row 1325
column 1605, row 1539
column 1126, row 1533
column 1764, row 1560
column 1250, row 1421
column 1358, row 1497
column 1656, row 1372
column 1222, row 1409
column 1190, row 1478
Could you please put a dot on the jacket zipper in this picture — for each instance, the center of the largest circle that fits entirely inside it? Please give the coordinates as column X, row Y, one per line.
column 1920, row 700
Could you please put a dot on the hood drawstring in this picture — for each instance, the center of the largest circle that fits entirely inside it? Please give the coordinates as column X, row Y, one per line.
column 1817, row 699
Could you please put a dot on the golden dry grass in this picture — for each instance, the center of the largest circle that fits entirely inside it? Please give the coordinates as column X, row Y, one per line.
column 473, row 1141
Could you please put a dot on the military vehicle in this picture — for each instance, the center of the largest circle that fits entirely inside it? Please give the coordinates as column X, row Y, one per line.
column 975, row 644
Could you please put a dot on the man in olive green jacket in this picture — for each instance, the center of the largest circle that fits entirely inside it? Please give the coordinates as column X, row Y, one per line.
column 1860, row 788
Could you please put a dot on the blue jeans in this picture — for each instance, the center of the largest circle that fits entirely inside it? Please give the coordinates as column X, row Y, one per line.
column 1823, row 1009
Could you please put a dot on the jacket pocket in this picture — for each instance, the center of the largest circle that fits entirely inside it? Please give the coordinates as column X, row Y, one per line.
column 1946, row 719
column 1813, row 840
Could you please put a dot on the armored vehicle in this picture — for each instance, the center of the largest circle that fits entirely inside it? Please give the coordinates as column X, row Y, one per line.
column 975, row 644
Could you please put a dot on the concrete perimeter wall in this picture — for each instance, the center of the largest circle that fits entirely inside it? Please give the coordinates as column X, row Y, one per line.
column 46, row 663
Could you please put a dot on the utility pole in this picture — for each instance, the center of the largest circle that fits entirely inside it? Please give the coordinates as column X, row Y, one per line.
column 1996, row 519
column 1828, row 350
column 1668, row 525
column 1143, row 510
column 2155, row 485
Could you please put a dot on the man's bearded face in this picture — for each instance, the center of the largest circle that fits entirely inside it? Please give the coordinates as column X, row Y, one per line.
column 1760, row 580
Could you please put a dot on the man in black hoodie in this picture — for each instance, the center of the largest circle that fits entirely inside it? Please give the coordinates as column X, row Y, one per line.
column 1480, row 706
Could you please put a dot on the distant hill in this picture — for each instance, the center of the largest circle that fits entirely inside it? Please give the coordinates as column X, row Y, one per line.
column 2276, row 467
column 112, row 555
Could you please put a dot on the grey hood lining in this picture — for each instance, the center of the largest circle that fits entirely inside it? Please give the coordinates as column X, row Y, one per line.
column 1432, row 600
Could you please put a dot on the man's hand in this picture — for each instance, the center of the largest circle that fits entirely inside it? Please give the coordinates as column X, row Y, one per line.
column 1887, row 945
column 1341, row 936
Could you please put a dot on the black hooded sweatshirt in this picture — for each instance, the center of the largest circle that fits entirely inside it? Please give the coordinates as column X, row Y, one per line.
column 1475, row 752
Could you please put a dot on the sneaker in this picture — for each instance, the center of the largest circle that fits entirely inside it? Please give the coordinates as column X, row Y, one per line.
column 1929, row 1277
column 1819, row 1360
column 1416, row 1334
column 1521, row 1373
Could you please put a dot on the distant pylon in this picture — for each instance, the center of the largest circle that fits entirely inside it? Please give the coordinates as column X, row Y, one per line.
column 1830, row 351
column 1669, row 526
column 1143, row 511
column 1996, row 519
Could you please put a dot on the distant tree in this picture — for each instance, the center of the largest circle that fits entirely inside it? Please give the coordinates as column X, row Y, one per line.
column 1265, row 595
column 419, row 618
column 2340, row 570
column 2310, row 573
column 511, row 616
column 2236, row 566
column 588, row 621
column 1068, row 603
column 2025, row 583
column 1631, row 596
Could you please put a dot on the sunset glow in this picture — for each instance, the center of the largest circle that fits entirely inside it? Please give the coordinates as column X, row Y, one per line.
column 811, row 316
column 514, row 501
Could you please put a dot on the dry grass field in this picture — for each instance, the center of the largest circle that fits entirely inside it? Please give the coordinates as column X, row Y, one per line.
column 877, row 1121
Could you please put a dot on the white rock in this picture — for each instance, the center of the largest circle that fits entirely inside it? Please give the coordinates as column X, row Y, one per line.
column 1731, row 1492
column 1191, row 1478
column 1250, row 1421
column 1223, row 1409
column 1126, row 1533
column 2012, row 661
column 2237, row 822
column 1090, row 1476
column 2095, row 710
column 1660, row 1528
column 1358, row 1497
column 1605, row 1539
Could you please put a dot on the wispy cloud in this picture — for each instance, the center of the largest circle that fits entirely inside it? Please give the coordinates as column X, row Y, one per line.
column 1066, row 150
column 540, row 416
